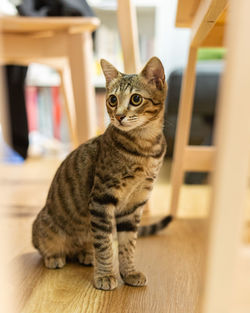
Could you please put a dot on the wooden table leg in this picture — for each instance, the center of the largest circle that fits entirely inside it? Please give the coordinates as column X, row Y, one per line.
column 81, row 65
column 4, row 119
column 69, row 103
column 183, row 128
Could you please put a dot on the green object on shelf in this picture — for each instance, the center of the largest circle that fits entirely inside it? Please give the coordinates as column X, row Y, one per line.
column 211, row 53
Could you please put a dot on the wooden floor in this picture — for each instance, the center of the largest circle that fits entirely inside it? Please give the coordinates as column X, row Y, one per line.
column 172, row 260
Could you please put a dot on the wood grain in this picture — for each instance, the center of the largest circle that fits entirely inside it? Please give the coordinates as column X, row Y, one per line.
column 183, row 128
column 204, row 32
column 66, row 45
column 126, row 15
column 206, row 16
column 198, row 158
column 172, row 260
column 186, row 11
column 231, row 180
column 37, row 24
column 174, row 281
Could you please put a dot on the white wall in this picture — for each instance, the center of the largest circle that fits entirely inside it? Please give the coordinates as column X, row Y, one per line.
column 171, row 42
column 7, row 8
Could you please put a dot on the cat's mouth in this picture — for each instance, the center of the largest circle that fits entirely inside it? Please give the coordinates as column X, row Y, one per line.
column 127, row 123
column 121, row 124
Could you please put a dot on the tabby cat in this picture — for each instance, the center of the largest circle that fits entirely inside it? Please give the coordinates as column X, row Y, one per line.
column 104, row 184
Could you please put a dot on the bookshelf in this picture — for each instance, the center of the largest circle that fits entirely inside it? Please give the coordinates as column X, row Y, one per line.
column 107, row 41
column 42, row 82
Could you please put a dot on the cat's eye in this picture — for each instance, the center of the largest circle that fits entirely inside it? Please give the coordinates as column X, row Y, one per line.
column 136, row 99
column 112, row 100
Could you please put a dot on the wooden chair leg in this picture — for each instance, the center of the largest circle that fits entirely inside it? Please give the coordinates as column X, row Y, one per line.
column 126, row 14
column 231, row 169
column 81, row 66
column 4, row 120
column 183, row 128
column 69, row 104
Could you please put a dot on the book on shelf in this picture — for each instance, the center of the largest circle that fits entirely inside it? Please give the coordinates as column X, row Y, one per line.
column 31, row 107
column 57, row 111
column 45, row 112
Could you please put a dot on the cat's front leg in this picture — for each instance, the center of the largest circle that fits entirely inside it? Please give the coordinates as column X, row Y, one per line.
column 101, row 219
column 127, row 234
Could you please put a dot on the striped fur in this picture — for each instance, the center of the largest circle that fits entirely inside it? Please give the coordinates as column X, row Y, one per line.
column 103, row 185
column 152, row 229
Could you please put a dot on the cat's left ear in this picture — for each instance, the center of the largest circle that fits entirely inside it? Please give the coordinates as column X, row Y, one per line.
column 109, row 71
column 153, row 71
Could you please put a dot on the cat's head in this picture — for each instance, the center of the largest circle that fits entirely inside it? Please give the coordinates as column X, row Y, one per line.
column 134, row 100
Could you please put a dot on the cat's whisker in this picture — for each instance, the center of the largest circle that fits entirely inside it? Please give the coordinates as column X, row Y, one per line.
column 133, row 119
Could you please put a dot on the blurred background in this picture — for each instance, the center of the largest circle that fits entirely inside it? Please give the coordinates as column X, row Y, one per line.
column 37, row 120
column 36, row 131
column 41, row 108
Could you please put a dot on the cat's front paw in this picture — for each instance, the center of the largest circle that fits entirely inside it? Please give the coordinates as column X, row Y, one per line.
column 135, row 279
column 107, row 282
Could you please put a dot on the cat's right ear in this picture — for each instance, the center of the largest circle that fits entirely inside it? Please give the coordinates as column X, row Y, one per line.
column 109, row 71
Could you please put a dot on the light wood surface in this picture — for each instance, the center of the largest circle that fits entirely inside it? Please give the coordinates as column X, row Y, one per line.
column 225, row 287
column 231, row 179
column 127, row 22
column 81, row 64
column 215, row 37
column 207, row 20
column 26, row 25
column 68, row 101
column 66, row 41
column 183, row 128
column 173, row 272
column 186, row 11
column 172, row 260
column 174, row 282
column 198, row 159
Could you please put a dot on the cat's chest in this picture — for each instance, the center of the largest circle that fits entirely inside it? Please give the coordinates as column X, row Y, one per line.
column 122, row 177
column 137, row 184
column 135, row 177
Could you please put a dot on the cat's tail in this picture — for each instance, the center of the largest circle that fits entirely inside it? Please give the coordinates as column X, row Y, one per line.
column 152, row 229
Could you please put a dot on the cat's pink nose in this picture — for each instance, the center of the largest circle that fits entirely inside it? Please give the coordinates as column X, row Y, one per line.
column 120, row 117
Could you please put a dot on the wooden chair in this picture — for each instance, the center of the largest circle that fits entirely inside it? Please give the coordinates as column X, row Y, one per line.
column 226, row 286
column 64, row 43
column 206, row 31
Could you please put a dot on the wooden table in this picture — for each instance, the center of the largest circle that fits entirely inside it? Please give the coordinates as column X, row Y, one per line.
column 227, row 275
column 64, row 43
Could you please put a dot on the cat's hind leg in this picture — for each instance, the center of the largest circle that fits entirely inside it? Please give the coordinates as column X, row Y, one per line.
column 54, row 255
column 86, row 256
column 55, row 261
column 81, row 247
column 49, row 241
